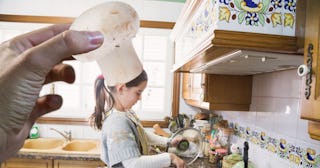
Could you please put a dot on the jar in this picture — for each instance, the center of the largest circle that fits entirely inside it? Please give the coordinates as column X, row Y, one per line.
column 217, row 155
column 224, row 135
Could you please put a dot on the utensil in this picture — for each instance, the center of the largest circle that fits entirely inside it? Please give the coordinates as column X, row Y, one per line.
column 245, row 154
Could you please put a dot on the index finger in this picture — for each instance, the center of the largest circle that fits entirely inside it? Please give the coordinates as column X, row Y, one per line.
column 34, row 38
column 51, row 52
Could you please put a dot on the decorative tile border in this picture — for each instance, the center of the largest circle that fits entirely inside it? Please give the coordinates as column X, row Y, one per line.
column 261, row 16
column 305, row 157
column 259, row 12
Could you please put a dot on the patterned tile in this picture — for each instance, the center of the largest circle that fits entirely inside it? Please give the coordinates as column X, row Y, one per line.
column 298, row 154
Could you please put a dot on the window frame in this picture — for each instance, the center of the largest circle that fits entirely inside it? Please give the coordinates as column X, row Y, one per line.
column 84, row 121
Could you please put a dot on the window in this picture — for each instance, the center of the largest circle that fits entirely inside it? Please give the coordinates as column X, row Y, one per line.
column 153, row 48
column 155, row 51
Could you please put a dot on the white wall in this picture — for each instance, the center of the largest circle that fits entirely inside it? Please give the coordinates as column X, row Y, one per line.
column 147, row 9
column 275, row 110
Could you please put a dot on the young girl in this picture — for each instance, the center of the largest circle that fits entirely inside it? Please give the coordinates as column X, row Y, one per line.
column 124, row 141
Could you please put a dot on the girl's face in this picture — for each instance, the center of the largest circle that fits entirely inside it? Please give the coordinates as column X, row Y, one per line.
column 129, row 96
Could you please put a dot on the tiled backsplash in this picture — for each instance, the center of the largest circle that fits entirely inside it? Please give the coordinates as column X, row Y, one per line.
column 275, row 115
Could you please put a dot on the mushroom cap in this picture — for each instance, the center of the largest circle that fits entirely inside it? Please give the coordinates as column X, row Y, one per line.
column 116, row 57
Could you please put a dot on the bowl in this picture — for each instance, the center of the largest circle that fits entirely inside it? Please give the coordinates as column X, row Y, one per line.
column 42, row 143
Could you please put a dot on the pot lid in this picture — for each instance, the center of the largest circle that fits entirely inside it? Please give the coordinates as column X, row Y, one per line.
column 190, row 147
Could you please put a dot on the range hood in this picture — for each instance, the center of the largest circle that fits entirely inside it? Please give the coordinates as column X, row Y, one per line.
column 242, row 53
column 209, row 40
column 246, row 62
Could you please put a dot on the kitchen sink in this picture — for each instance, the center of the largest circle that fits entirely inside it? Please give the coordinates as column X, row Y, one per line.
column 42, row 143
column 80, row 145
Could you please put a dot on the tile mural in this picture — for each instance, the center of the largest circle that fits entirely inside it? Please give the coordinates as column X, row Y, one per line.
column 260, row 16
column 259, row 13
column 301, row 156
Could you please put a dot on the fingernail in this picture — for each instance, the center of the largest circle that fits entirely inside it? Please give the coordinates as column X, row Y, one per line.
column 96, row 38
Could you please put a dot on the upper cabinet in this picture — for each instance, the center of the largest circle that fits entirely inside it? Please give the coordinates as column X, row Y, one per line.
column 217, row 92
column 237, row 37
column 310, row 104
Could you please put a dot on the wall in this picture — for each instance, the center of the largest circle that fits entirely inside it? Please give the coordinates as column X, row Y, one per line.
column 147, row 9
column 275, row 111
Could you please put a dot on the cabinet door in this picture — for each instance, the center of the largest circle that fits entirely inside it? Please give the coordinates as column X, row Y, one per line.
column 27, row 163
column 78, row 164
column 217, row 92
column 229, row 92
column 310, row 105
column 310, row 98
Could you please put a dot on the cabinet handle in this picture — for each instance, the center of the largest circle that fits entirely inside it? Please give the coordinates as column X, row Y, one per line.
column 306, row 70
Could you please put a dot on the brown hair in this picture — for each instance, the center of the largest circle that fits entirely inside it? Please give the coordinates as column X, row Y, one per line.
column 105, row 101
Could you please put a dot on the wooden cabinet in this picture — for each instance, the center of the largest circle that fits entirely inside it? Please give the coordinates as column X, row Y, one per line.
column 217, row 92
column 27, row 163
column 229, row 92
column 194, row 89
column 310, row 103
column 50, row 163
column 77, row 164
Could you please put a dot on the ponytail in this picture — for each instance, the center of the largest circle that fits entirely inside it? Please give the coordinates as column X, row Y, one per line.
column 101, row 98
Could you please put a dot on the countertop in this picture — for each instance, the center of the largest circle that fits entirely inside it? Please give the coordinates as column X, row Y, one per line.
column 59, row 152
column 199, row 163
column 59, row 149
column 202, row 163
column 62, row 156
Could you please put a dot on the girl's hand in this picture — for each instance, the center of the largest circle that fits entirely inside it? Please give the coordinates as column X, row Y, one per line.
column 176, row 161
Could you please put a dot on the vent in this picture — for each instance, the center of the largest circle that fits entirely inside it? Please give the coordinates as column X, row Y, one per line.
column 244, row 62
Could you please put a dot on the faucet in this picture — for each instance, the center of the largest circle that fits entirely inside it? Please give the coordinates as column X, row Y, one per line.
column 66, row 135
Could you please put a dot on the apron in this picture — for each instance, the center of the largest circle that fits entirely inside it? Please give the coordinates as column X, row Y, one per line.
column 141, row 133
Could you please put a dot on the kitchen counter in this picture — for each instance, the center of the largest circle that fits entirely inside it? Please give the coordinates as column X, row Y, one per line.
column 53, row 148
column 199, row 163
column 36, row 149
column 202, row 163
column 40, row 157
column 58, row 156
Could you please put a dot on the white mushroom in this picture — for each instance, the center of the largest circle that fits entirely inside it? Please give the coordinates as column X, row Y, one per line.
column 119, row 23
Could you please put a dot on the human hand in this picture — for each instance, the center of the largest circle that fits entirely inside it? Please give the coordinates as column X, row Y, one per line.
column 27, row 63
column 175, row 141
column 176, row 161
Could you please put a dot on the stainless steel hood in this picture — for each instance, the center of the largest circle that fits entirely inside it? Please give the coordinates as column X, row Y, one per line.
column 245, row 62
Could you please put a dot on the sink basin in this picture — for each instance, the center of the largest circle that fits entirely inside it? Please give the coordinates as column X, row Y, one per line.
column 42, row 143
column 80, row 145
